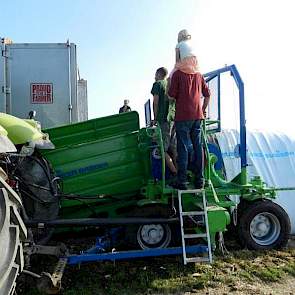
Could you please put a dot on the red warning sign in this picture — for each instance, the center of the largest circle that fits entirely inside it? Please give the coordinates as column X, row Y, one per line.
column 41, row 93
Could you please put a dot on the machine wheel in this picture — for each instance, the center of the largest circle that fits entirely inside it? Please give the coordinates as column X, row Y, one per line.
column 153, row 236
column 264, row 225
column 12, row 234
column 150, row 236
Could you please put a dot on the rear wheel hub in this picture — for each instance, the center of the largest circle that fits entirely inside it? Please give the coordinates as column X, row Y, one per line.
column 265, row 228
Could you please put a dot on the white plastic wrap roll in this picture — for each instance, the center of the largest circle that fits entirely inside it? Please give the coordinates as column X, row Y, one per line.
column 270, row 155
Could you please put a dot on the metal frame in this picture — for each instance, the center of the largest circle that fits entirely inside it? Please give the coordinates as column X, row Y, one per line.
column 77, row 259
column 240, row 84
column 208, row 80
column 98, row 251
column 148, row 113
column 185, row 236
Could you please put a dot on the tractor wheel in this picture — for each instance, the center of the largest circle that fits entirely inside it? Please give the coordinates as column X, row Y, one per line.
column 264, row 225
column 12, row 234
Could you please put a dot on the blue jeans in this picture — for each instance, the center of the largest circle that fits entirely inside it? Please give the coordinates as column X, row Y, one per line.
column 187, row 133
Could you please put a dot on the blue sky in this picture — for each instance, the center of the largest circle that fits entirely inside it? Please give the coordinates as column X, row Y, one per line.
column 121, row 43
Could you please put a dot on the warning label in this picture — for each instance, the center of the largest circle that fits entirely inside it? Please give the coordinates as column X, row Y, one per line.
column 41, row 93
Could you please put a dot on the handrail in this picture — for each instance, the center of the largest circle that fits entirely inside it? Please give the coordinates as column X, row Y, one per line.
column 240, row 84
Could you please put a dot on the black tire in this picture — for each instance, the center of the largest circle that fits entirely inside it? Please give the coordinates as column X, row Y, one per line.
column 263, row 225
column 12, row 234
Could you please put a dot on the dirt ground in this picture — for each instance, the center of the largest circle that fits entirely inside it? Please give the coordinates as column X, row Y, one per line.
column 287, row 287
column 240, row 272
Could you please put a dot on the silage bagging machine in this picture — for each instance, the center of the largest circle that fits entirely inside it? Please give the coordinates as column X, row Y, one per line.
column 109, row 174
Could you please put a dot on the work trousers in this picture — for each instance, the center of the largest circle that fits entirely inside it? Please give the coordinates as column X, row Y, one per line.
column 189, row 133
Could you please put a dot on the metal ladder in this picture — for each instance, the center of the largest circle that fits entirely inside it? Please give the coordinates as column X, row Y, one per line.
column 185, row 236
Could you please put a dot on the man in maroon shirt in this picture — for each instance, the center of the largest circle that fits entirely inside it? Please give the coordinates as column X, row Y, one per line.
column 187, row 89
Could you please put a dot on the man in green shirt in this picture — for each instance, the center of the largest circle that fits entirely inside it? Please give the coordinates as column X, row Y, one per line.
column 164, row 117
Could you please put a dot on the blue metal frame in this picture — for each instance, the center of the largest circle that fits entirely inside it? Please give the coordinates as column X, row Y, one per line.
column 208, row 79
column 219, row 98
column 106, row 242
column 90, row 257
column 240, row 84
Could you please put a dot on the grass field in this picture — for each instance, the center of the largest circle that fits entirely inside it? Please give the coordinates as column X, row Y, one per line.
column 241, row 272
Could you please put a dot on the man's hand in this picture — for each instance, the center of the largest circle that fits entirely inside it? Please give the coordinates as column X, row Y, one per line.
column 205, row 104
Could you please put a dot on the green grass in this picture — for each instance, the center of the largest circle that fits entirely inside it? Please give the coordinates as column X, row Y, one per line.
column 169, row 276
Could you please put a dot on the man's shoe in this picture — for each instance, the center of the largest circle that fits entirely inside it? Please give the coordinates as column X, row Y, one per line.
column 199, row 185
column 179, row 186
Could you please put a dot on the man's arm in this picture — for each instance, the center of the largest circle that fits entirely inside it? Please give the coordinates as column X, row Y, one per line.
column 174, row 85
column 206, row 94
column 167, row 89
column 155, row 106
column 155, row 93
column 205, row 104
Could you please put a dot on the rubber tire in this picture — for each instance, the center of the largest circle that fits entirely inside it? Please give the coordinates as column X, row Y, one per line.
column 247, row 214
column 12, row 234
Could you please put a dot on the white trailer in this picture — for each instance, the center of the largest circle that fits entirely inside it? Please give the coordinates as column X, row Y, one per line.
column 42, row 77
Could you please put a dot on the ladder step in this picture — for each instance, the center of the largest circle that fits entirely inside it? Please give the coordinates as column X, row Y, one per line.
column 192, row 213
column 197, row 259
column 191, row 191
column 194, row 236
column 184, row 236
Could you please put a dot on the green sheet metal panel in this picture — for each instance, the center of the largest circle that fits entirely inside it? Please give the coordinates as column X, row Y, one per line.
column 94, row 129
column 99, row 156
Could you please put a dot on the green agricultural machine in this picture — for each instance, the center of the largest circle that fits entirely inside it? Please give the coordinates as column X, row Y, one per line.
column 109, row 174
